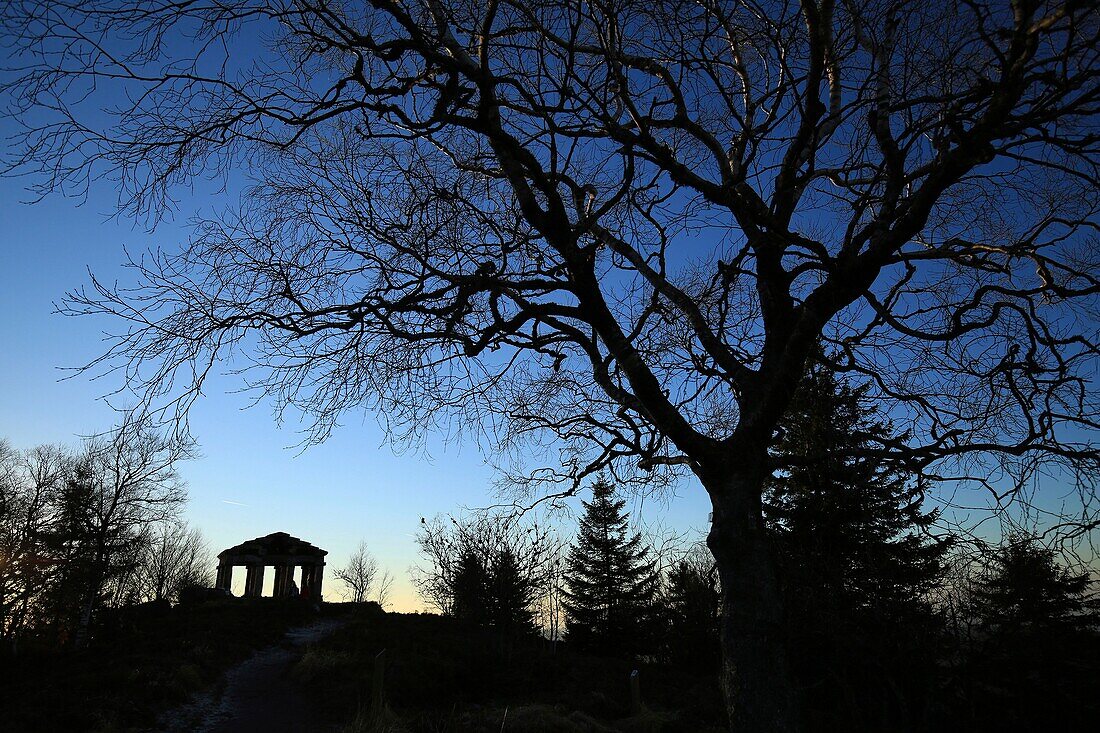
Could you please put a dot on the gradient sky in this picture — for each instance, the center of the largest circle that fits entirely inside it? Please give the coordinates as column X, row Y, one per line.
column 250, row 479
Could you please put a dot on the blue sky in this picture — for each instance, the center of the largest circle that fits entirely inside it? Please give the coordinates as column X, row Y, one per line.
column 250, row 479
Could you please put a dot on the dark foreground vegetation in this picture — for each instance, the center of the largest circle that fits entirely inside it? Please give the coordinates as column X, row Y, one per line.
column 442, row 674
column 614, row 236
column 138, row 662
column 893, row 620
column 445, row 674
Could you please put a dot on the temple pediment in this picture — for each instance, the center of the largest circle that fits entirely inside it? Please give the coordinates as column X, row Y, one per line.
column 276, row 544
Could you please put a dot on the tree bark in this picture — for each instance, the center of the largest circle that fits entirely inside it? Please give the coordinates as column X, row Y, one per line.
column 755, row 676
column 95, row 587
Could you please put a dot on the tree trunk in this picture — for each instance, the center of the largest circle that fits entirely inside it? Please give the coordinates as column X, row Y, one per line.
column 755, row 677
column 95, row 587
column 84, row 623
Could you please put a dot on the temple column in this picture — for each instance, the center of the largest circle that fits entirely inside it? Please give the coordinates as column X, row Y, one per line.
column 281, row 584
column 225, row 577
column 307, row 579
column 315, row 581
column 289, row 570
column 311, row 582
column 254, row 583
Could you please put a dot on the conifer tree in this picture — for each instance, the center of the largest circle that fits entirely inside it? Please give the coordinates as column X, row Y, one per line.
column 471, row 589
column 692, row 602
column 848, row 527
column 486, row 569
column 852, row 525
column 611, row 580
column 1027, row 592
column 511, row 595
column 1033, row 665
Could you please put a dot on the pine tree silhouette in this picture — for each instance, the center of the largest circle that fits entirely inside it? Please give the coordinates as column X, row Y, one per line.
column 611, row 580
column 855, row 561
column 1027, row 592
column 848, row 525
column 1035, row 659
column 692, row 602
column 471, row 589
column 510, row 595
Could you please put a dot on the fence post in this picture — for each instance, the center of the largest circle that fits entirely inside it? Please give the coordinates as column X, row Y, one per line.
column 377, row 682
column 635, row 694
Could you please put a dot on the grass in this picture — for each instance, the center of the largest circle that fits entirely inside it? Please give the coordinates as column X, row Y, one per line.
column 137, row 668
column 441, row 676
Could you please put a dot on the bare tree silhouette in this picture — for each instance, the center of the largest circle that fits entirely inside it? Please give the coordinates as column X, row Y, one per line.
column 359, row 574
column 620, row 226
column 385, row 587
column 462, row 564
column 174, row 556
column 124, row 481
column 30, row 481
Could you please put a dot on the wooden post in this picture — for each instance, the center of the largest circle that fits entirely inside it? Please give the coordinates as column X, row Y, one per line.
column 377, row 682
column 635, row 694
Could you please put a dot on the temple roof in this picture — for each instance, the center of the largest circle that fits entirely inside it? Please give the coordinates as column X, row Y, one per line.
column 276, row 543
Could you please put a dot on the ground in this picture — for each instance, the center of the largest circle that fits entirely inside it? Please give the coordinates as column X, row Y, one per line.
column 273, row 666
column 442, row 676
column 140, row 662
column 259, row 694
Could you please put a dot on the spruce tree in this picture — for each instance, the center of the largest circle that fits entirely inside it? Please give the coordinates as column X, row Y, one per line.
column 511, row 595
column 848, row 528
column 1026, row 592
column 470, row 589
column 851, row 526
column 1034, row 663
column 611, row 582
column 692, row 602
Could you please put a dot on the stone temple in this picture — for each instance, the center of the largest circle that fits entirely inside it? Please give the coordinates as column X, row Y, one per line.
column 284, row 553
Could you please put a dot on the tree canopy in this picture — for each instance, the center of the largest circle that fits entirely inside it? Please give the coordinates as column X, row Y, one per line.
column 660, row 206
column 93, row 527
column 1025, row 591
column 489, row 569
column 857, row 561
column 611, row 581
column 619, row 228
column 848, row 526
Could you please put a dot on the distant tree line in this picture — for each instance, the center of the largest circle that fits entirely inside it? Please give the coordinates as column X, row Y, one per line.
column 92, row 527
column 892, row 625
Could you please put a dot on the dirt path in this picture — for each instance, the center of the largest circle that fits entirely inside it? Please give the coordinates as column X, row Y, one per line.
column 257, row 695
